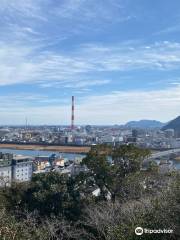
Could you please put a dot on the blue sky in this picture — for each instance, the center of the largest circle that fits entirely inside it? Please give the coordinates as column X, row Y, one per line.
column 120, row 58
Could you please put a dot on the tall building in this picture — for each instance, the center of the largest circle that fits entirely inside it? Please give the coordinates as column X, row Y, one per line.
column 22, row 168
column 14, row 169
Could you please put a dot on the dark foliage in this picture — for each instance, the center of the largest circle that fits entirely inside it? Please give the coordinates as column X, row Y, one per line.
column 54, row 206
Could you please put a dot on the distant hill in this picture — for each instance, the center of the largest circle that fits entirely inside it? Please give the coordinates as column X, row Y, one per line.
column 145, row 124
column 174, row 124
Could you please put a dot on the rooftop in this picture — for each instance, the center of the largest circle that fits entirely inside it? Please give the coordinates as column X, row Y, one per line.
column 21, row 158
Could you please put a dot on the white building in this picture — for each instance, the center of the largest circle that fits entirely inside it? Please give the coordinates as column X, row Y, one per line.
column 169, row 133
column 22, row 168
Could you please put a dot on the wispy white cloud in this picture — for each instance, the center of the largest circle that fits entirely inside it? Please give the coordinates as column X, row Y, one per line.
column 31, row 27
column 121, row 106
column 88, row 83
column 161, row 55
column 23, row 64
column 54, row 21
column 75, row 83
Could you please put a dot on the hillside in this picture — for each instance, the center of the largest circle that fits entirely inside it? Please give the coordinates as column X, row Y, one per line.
column 145, row 124
column 174, row 124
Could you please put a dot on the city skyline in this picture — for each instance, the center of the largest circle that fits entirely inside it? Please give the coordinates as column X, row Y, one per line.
column 120, row 59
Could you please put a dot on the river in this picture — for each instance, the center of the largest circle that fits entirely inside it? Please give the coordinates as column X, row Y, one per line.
column 33, row 153
column 69, row 156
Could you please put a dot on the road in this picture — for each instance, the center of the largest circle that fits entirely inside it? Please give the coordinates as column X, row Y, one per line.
column 164, row 153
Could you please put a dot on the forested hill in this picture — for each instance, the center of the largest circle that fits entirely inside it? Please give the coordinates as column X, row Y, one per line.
column 145, row 124
column 174, row 124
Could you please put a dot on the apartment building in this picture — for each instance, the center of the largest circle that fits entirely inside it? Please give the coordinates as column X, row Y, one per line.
column 21, row 168
column 14, row 168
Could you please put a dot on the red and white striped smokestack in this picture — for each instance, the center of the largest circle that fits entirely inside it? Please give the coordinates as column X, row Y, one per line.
column 72, row 116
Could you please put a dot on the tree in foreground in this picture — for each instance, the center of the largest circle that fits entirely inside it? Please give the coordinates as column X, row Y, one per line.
column 53, row 206
column 110, row 167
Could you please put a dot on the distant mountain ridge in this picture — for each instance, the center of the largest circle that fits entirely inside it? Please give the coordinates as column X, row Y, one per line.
column 145, row 124
column 174, row 124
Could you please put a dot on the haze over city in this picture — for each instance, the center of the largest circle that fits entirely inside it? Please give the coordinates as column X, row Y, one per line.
column 120, row 59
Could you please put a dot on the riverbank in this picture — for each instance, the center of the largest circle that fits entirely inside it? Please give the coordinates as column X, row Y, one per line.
column 62, row 149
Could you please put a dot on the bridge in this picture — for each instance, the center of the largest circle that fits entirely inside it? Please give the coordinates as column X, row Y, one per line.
column 164, row 153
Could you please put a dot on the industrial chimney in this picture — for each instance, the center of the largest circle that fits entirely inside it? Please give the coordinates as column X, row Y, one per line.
column 72, row 114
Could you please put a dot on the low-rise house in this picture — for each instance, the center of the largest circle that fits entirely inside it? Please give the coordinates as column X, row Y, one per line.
column 77, row 168
column 59, row 162
column 41, row 162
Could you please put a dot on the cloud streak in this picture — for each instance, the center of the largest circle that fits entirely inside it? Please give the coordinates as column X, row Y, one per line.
column 24, row 64
column 53, row 21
